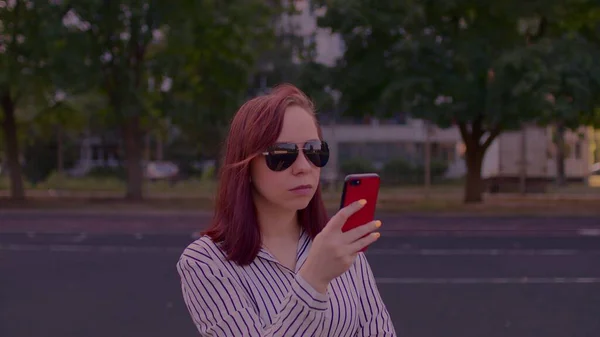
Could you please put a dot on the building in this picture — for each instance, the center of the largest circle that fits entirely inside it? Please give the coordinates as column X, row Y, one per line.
column 529, row 155
column 379, row 142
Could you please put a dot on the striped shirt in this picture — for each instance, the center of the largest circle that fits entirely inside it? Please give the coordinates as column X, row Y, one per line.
column 266, row 298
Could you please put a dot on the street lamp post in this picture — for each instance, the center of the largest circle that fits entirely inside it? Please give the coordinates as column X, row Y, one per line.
column 428, row 130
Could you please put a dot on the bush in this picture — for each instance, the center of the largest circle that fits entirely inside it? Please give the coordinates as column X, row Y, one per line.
column 401, row 171
column 41, row 158
column 108, row 172
column 209, row 173
column 438, row 169
column 356, row 165
column 87, row 183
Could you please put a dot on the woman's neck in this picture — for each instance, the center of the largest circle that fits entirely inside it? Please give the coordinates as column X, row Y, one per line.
column 276, row 223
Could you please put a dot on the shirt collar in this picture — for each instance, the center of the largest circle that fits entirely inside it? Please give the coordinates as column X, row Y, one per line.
column 304, row 244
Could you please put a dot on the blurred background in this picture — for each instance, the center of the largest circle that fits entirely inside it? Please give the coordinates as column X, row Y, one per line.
column 481, row 117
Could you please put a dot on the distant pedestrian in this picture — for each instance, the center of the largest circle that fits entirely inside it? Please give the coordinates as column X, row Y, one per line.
column 272, row 263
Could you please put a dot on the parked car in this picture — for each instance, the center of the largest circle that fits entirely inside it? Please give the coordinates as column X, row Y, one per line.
column 158, row 170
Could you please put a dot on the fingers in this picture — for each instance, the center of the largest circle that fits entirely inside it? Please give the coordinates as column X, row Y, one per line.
column 340, row 218
column 363, row 242
column 358, row 232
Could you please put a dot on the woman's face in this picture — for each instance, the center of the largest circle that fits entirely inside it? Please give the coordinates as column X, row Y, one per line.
column 291, row 188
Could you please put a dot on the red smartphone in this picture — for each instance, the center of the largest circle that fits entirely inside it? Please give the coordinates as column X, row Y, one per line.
column 356, row 187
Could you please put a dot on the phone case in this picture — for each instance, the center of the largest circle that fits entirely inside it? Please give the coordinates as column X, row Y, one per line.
column 368, row 189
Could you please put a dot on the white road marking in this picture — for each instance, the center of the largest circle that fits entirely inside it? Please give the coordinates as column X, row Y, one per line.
column 589, row 232
column 379, row 280
column 480, row 252
column 374, row 252
column 84, row 249
column 490, row 280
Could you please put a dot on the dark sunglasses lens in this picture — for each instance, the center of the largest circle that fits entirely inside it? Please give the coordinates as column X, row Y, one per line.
column 281, row 156
column 317, row 152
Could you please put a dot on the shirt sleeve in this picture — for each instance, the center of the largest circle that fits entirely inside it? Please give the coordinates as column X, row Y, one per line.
column 218, row 307
column 374, row 318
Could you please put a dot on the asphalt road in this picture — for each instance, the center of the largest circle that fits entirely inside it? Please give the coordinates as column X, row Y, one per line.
column 127, row 285
column 161, row 222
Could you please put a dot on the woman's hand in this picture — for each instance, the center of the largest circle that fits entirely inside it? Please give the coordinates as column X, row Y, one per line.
column 333, row 251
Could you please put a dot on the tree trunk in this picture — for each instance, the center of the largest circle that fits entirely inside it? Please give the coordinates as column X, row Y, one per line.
column 474, row 184
column 134, row 147
column 523, row 162
column 9, row 126
column 560, row 155
column 427, row 159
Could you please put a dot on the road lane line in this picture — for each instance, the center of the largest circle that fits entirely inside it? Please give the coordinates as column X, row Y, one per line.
column 86, row 249
column 370, row 252
column 481, row 252
column 490, row 280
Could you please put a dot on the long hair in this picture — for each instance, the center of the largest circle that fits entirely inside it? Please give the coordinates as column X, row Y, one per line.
column 255, row 126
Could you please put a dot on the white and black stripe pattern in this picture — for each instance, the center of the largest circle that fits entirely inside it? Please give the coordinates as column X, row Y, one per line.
column 267, row 299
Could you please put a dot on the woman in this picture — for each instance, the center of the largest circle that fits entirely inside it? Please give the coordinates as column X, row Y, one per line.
column 272, row 264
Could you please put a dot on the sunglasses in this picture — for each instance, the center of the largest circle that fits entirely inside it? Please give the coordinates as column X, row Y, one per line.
column 281, row 156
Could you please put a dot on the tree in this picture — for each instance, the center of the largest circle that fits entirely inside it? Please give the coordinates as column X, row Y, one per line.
column 65, row 114
column 189, row 62
column 571, row 78
column 572, row 82
column 30, row 37
column 292, row 59
column 117, row 41
column 453, row 62
column 213, row 52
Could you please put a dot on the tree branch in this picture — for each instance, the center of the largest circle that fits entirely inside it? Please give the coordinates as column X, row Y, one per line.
column 493, row 133
column 476, row 127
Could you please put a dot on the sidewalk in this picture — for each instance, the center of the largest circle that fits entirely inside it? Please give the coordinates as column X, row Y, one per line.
column 33, row 222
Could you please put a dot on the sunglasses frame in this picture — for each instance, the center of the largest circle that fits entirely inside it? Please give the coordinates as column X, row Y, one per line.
column 298, row 149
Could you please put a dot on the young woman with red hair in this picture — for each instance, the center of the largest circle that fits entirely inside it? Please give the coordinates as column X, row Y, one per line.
column 272, row 263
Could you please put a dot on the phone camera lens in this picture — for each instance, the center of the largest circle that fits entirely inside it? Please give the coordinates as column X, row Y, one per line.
column 355, row 182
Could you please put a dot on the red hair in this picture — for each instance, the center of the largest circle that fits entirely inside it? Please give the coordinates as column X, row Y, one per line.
column 255, row 126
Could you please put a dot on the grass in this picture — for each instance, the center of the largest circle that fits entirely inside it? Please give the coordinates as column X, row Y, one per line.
column 194, row 194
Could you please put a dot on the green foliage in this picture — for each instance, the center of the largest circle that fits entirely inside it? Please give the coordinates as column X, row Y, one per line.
column 356, row 165
column 213, row 48
column 107, row 173
column 399, row 171
column 31, row 47
column 291, row 58
column 413, row 54
column 457, row 61
column 208, row 174
column 438, row 169
column 116, row 44
column 402, row 171
column 485, row 67
column 40, row 161
column 31, row 54
column 40, row 157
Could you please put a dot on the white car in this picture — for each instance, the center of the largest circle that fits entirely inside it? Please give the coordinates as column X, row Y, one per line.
column 156, row 170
